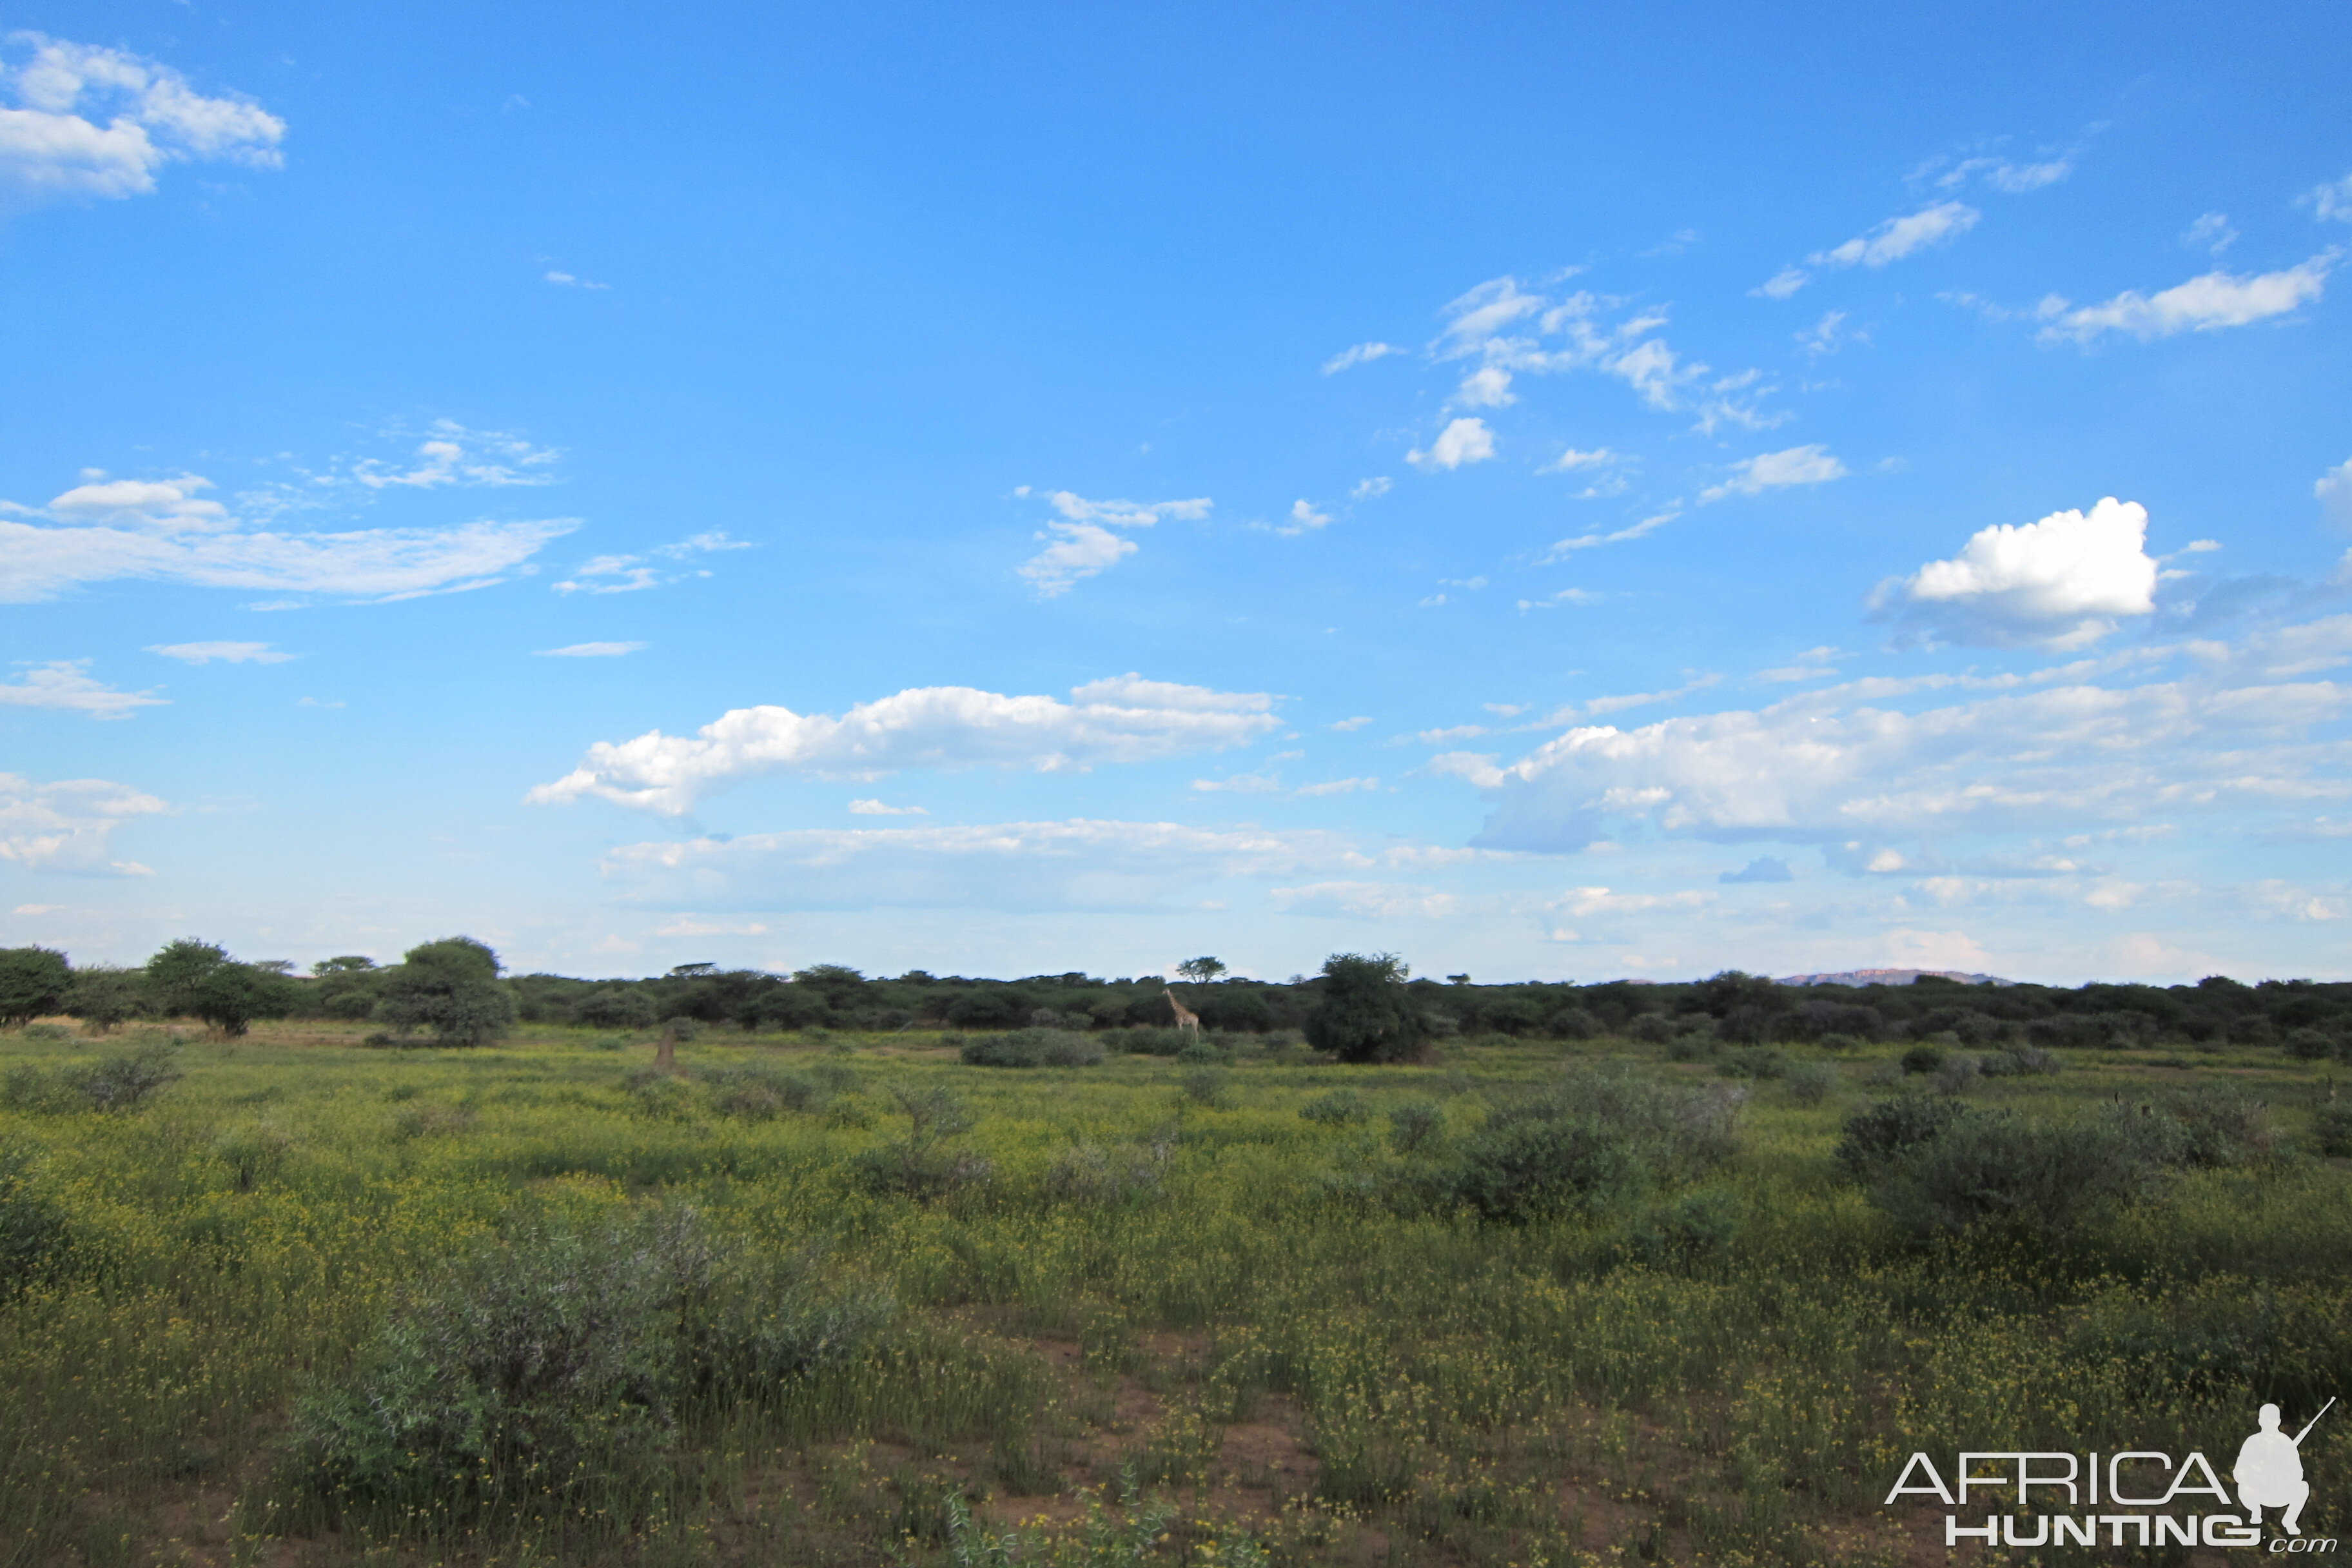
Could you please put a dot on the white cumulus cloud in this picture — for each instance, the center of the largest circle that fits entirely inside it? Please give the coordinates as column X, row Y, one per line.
column 2061, row 583
column 2043, row 754
column 1125, row 719
column 171, row 506
column 2333, row 200
column 2203, row 304
column 79, row 119
column 1303, row 518
column 67, row 826
column 2333, row 492
column 1778, row 470
column 1466, row 440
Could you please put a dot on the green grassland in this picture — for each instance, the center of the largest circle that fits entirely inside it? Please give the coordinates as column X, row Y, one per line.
column 1139, row 1310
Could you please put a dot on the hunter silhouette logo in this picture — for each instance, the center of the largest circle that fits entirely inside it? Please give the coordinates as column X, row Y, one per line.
column 2149, row 1492
column 2269, row 1471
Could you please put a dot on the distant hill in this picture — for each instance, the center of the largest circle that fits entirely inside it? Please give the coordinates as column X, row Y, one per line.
column 1891, row 978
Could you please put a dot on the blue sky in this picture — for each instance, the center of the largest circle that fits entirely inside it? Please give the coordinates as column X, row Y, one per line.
column 1554, row 494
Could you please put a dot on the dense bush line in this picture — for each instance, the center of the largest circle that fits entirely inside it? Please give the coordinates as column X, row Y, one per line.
column 1362, row 1006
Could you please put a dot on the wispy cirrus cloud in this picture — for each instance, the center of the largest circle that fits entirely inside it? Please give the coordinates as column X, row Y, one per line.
column 1890, row 242
column 170, row 528
column 81, row 119
column 1362, row 354
column 1071, row 864
column 67, row 684
column 224, row 652
column 593, row 651
column 1797, row 466
column 1565, row 547
column 1512, row 332
column 1080, row 543
column 2203, row 304
column 655, row 568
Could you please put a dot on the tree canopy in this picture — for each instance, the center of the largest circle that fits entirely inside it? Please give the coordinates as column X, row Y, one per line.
column 1365, row 1013
column 452, row 988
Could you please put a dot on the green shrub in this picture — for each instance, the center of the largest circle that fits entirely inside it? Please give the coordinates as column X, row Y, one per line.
column 2308, row 1044
column 1754, row 1061
column 2014, row 1173
column 1206, row 1085
column 1595, row 1138
column 1033, row 1048
column 757, row 1093
column 2220, row 1127
column 551, row 1362
column 1810, row 1083
column 253, row 1151
column 1339, row 1108
column 1923, row 1058
column 1651, row 1030
column 923, row 1164
column 1876, row 1137
column 1957, row 1074
column 1147, row 1042
column 1126, row 1176
column 2331, row 1130
column 2022, row 1062
column 614, row 1007
column 1683, row 1230
column 33, row 1234
column 120, row 1082
column 1415, row 1125
column 666, row 1097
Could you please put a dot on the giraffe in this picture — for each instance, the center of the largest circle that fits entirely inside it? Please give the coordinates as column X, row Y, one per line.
column 1185, row 1017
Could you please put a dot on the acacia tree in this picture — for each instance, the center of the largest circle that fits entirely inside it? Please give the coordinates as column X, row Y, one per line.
column 1365, row 1013
column 197, row 979
column 102, row 995
column 33, row 981
column 451, row 987
column 1201, row 971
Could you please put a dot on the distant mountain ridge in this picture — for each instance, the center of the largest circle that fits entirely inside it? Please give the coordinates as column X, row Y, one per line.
column 1890, row 977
